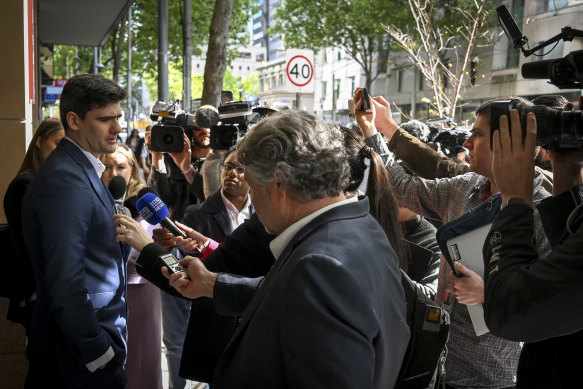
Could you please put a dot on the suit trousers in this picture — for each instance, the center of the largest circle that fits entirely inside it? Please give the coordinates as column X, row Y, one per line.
column 175, row 314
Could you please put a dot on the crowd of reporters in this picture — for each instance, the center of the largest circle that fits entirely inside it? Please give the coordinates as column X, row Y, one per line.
column 529, row 290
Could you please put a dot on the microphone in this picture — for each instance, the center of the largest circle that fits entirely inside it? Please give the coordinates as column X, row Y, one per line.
column 130, row 203
column 538, row 69
column 147, row 189
column 154, row 211
column 117, row 187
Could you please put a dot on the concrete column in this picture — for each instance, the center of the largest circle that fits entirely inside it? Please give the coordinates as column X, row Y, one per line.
column 17, row 88
column 17, row 93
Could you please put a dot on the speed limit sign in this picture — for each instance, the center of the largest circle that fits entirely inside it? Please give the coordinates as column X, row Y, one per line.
column 300, row 70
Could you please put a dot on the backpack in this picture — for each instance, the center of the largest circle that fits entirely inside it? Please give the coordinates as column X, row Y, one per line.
column 429, row 325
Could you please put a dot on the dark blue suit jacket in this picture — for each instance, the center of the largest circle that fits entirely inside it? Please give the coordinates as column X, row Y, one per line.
column 80, row 268
column 329, row 314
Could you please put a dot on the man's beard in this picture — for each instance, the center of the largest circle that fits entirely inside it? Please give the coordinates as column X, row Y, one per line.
column 198, row 144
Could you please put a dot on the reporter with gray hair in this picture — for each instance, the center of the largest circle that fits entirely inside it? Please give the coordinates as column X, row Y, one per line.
column 331, row 311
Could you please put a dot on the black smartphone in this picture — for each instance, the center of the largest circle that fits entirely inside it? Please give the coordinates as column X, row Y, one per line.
column 365, row 100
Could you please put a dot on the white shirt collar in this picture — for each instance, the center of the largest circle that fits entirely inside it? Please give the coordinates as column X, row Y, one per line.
column 278, row 244
column 99, row 167
column 237, row 217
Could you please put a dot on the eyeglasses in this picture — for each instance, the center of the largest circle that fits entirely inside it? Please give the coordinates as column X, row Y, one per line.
column 227, row 167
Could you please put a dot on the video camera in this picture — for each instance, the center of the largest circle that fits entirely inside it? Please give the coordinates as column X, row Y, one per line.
column 168, row 135
column 234, row 121
column 556, row 129
column 564, row 72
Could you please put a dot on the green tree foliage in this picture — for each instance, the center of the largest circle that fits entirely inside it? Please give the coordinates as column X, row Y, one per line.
column 70, row 60
column 354, row 25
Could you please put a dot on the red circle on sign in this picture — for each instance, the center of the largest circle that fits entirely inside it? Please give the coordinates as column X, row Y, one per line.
column 311, row 70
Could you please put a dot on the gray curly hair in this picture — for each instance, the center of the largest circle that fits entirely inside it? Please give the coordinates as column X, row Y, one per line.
column 308, row 152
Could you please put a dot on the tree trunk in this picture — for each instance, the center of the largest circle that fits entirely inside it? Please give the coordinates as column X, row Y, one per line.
column 187, row 58
column 216, row 59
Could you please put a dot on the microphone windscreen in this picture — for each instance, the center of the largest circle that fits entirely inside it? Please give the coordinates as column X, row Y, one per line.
column 117, row 187
column 145, row 190
column 130, row 203
column 151, row 208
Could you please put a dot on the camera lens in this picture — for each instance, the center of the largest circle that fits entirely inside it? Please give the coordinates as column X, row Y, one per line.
column 168, row 139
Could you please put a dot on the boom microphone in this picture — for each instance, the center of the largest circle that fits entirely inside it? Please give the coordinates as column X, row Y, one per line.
column 537, row 69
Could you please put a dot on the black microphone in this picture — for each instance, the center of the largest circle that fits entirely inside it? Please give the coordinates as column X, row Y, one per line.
column 147, row 189
column 130, row 203
column 117, row 187
column 538, row 69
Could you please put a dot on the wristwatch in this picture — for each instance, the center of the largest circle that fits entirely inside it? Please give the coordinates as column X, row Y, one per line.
column 514, row 200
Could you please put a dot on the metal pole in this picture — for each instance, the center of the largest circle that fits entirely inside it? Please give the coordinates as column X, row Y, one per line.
column 414, row 94
column 94, row 59
column 129, row 89
column 333, row 98
column 187, row 60
column 163, row 50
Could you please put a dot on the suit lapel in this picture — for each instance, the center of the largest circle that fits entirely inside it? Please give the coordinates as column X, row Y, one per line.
column 219, row 210
column 97, row 184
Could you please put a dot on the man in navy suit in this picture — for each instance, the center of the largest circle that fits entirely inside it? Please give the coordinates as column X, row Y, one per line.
column 331, row 311
column 78, row 332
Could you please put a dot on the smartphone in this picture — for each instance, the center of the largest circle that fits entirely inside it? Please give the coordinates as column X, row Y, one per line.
column 365, row 100
column 351, row 108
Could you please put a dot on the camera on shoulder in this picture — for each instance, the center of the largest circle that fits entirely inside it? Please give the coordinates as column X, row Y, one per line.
column 556, row 129
column 235, row 118
column 173, row 123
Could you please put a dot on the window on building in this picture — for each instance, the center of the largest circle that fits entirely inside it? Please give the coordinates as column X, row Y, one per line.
column 337, row 90
column 421, row 79
column 553, row 51
column 399, row 80
column 512, row 57
column 352, row 85
column 325, row 56
column 550, row 5
column 338, row 53
column 324, row 85
column 248, row 68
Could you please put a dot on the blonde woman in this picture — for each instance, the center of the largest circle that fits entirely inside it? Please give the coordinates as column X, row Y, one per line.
column 143, row 366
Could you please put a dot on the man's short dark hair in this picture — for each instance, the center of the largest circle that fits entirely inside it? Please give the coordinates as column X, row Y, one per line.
column 85, row 92
column 206, row 116
column 418, row 129
column 551, row 101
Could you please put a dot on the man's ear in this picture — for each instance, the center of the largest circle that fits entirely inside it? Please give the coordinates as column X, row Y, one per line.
column 38, row 141
column 74, row 121
column 280, row 181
